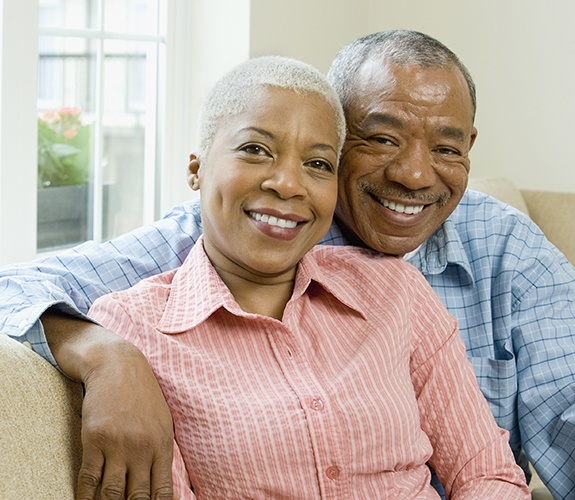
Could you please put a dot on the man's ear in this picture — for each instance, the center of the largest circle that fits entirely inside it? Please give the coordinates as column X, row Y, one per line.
column 193, row 169
column 473, row 137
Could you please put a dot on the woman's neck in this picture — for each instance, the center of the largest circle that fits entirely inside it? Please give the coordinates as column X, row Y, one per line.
column 267, row 296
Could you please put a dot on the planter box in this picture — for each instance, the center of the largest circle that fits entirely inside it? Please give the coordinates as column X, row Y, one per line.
column 62, row 216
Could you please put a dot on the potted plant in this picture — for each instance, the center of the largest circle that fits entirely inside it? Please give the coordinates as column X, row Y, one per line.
column 64, row 145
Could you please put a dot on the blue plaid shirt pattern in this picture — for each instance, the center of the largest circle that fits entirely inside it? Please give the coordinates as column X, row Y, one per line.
column 512, row 292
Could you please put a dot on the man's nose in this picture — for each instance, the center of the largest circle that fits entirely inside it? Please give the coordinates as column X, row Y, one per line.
column 412, row 167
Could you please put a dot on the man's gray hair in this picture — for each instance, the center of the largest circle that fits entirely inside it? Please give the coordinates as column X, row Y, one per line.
column 231, row 93
column 402, row 47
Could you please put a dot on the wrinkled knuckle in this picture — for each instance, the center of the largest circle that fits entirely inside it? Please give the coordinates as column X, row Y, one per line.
column 163, row 493
column 88, row 478
column 112, row 491
column 139, row 495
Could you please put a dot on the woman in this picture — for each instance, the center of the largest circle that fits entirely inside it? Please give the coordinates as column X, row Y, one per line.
column 295, row 371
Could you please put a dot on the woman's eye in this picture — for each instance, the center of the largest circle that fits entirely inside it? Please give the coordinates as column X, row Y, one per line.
column 253, row 149
column 321, row 165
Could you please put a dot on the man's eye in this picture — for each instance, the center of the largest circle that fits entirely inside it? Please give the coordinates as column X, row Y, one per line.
column 447, row 151
column 381, row 140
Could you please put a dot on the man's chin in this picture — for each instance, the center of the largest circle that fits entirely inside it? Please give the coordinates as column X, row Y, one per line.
column 394, row 245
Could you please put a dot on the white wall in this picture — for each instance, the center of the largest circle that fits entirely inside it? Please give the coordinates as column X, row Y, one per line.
column 521, row 54
column 18, row 148
column 311, row 30
column 216, row 38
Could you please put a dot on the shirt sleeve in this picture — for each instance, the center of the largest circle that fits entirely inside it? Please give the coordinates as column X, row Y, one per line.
column 471, row 456
column 543, row 333
column 70, row 281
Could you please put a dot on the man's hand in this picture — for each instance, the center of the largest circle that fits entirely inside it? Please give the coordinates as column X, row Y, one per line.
column 127, row 432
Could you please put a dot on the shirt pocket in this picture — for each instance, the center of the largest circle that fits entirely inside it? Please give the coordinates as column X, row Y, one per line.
column 497, row 379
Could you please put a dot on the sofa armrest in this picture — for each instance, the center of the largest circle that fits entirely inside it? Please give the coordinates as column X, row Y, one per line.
column 40, row 415
column 553, row 213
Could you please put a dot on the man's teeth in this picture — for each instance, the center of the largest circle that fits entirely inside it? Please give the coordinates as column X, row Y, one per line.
column 273, row 221
column 399, row 207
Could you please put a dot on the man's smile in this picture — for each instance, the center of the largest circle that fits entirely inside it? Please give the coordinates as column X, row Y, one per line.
column 400, row 207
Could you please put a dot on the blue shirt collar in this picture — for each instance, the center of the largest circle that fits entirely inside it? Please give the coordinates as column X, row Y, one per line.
column 442, row 248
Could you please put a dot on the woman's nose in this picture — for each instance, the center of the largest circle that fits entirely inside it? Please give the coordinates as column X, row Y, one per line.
column 286, row 179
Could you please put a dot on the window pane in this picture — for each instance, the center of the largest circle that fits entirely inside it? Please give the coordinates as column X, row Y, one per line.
column 72, row 14
column 131, row 16
column 97, row 105
column 65, row 140
column 124, row 119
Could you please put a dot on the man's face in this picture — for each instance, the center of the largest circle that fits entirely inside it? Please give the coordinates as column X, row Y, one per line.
column 268, row 184
column 405, row 163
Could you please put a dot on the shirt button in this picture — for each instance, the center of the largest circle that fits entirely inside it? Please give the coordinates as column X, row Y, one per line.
column 27, row 344
column 22, row 326
column 317, row 404
column 332, row 472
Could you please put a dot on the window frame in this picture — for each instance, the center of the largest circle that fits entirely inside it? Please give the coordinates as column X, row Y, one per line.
column 18, row 123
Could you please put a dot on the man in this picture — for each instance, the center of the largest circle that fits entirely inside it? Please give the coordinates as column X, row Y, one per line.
column 410, row 106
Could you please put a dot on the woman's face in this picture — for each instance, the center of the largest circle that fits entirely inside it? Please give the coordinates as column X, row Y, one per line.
column 268, row 184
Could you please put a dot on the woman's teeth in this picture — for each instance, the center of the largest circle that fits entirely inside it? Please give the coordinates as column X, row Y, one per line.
column 273, row 221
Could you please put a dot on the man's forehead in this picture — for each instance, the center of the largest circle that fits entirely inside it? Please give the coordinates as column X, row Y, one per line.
column 382, row 83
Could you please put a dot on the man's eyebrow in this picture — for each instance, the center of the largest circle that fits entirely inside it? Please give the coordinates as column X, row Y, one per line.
column 382, row 119
column 451, row 133
column 393, row 121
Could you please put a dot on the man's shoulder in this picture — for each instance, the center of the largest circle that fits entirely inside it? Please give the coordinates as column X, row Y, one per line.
column 479, row 215
column 496, row 236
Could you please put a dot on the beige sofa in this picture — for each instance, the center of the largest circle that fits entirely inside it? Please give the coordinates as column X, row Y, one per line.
column 40, row 414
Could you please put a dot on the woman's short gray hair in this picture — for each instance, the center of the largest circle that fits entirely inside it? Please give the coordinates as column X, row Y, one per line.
column 231, row 93
column 402, row 47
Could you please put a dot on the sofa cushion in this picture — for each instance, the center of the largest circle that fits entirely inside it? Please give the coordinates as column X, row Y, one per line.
column 501, row 188
column 40, row 447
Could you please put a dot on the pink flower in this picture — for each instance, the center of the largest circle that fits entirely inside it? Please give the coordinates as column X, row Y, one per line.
column 70, row 133
column 70, row 110
column 50, row 116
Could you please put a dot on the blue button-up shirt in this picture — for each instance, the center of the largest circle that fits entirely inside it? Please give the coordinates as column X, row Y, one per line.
column 512, row 292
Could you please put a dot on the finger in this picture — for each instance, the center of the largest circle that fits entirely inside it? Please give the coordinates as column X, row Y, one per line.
column 162, row 485
column 90, row 474
column 138, row 485
column 114, row 482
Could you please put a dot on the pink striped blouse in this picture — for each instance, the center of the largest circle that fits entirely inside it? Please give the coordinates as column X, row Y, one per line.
column 362, row 383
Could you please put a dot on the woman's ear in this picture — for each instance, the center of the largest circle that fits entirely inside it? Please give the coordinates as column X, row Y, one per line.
column 193, row 168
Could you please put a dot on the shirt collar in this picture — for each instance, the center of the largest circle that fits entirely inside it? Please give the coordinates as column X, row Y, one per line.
column 197, row 290
column 444, row 247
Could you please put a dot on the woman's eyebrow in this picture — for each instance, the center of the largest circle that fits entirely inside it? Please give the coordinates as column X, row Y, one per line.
column 258, row 130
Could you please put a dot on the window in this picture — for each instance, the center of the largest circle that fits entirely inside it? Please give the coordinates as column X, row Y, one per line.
column 197, row 49
column 100, row 73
